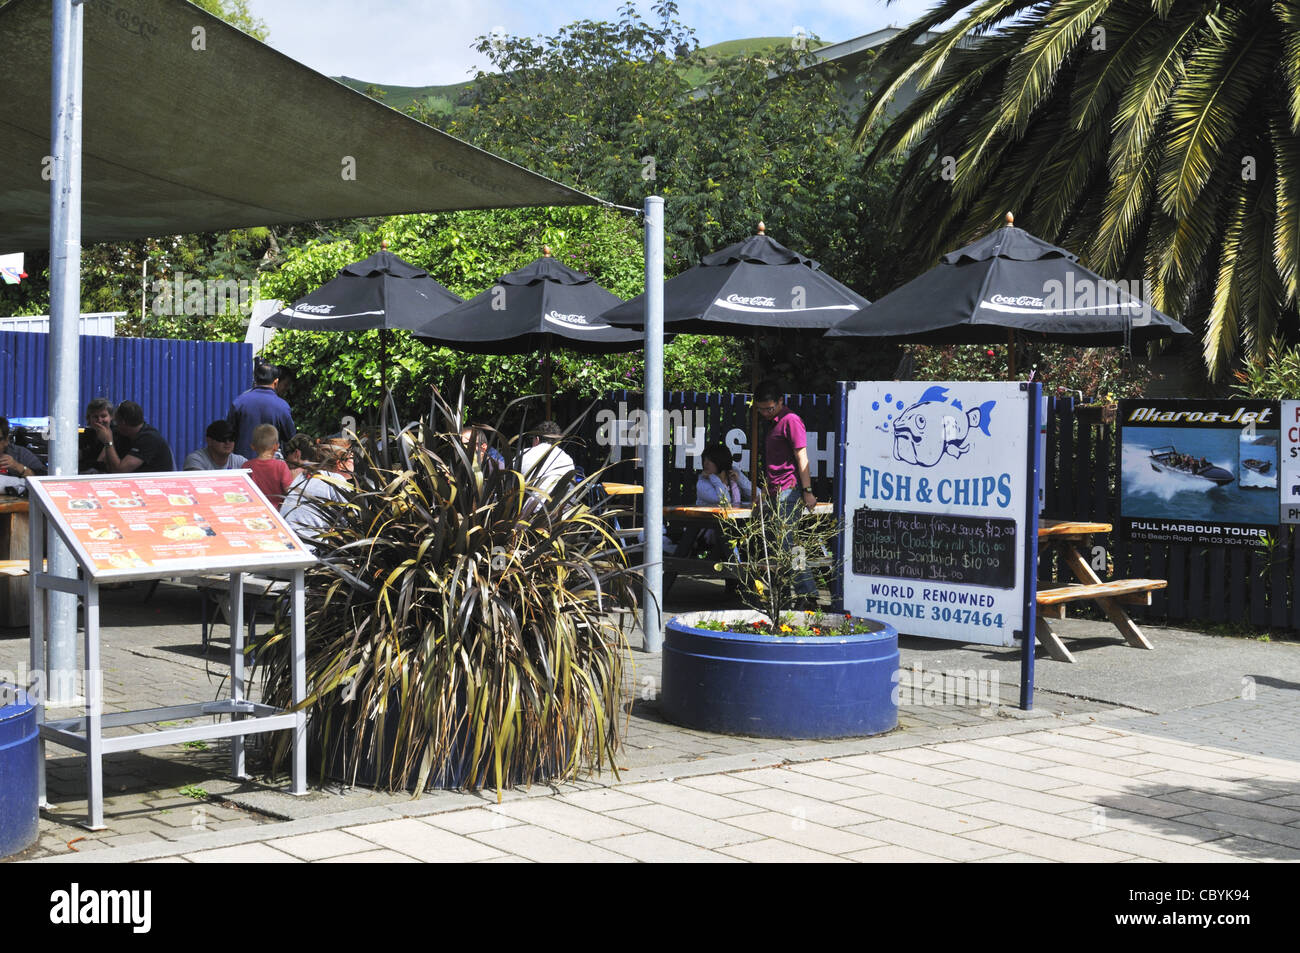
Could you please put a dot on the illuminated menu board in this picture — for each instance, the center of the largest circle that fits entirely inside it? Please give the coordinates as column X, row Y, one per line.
column 164, row 523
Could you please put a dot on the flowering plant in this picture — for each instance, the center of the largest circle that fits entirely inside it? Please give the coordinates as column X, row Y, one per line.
column 795, row 624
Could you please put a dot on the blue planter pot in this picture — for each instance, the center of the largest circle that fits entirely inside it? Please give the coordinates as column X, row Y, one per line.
column 19, row 770
column 738, row 683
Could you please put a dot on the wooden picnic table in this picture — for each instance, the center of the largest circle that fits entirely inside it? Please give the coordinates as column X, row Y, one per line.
column 623, row 489
column 1071, row 539
column 13, row 553
column 697, row 520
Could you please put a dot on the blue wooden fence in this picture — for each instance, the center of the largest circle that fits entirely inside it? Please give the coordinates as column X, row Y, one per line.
column 182, row 385
column 1215, row 583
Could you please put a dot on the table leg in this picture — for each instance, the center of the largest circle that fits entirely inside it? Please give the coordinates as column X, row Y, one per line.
column 1127, row 627
column 14, row 544
column 1118, row 617
column 1051, row 641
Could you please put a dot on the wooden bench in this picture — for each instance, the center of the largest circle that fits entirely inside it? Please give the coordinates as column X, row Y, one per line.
column 1109, row 596
column 260, row 595
column 14, row 567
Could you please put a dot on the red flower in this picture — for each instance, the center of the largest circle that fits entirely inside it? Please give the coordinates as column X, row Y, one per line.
column 989, row 352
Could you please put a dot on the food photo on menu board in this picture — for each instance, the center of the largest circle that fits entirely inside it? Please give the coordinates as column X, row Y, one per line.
column 156, row 521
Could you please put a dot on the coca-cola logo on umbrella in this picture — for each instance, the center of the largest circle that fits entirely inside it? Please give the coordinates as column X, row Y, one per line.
column 1019, row 301
column 575, row 322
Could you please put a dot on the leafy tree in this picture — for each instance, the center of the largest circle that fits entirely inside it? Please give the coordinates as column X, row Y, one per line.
column 1092, row 373
column 614, row 109
column 617, row 109
column 238, row 14
column 1274, row 374
column 1153, row 137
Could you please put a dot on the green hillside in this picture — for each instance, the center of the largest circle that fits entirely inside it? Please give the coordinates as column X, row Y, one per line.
column 448, row 97
column 399, row 97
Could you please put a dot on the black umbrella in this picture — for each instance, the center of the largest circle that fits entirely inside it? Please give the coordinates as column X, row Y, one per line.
column 752, row 286
column 527, row 309
column 380, row 292
column 1008, row 282
column 747, row 288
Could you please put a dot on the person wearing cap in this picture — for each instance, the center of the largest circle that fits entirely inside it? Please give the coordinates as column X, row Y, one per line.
column 219, row 454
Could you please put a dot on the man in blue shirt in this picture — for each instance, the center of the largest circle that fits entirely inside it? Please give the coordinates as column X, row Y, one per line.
column 259, row 405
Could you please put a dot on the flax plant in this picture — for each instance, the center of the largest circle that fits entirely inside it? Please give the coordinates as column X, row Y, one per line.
column 460, row 624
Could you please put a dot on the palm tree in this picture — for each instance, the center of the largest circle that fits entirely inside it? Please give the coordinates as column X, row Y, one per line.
column 1156, row 138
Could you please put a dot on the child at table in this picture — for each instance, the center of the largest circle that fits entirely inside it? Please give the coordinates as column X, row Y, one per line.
column 269, row 473
column 720, row 483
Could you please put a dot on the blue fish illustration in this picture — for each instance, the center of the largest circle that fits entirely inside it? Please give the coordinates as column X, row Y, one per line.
column 933, row 426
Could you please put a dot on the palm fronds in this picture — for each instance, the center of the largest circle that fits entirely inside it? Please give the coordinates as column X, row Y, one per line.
column 1134, row 128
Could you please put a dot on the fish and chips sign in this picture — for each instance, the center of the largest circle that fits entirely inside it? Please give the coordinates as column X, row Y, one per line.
column 938, row 490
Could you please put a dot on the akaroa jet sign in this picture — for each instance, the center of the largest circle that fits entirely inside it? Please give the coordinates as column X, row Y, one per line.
column 1199, row 472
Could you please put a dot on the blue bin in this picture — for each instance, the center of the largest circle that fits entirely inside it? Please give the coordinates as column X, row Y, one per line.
column 19, row 763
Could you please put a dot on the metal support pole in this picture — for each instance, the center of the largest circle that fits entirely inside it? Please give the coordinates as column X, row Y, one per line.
column 37, row 614
column 237, row 670
column 298, row 782
column 652, row 608
column 1029, row 645
column 65, row 314
column 94, row 707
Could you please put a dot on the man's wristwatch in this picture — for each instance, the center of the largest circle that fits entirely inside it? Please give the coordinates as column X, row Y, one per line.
column 806, row 489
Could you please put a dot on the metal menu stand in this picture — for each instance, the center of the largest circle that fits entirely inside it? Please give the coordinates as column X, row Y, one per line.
column 124, row 528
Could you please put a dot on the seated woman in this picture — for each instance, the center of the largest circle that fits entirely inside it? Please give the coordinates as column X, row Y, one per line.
column 720, row 483
column 306, row 506
column 294, row 451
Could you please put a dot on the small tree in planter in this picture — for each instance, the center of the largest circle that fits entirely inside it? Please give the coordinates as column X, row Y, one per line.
column 774, row 547
column 459, row 627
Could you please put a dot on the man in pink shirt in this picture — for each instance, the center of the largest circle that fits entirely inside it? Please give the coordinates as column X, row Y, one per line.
column 789, row 477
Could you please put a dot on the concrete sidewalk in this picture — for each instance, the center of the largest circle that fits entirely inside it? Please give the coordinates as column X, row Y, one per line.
column 1190, row 752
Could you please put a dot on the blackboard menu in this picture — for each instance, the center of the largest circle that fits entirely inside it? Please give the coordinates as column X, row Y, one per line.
column 930, row 547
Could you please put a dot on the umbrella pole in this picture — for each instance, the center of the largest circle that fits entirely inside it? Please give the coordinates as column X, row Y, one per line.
column 1011, row 352
column 383, row 362
column 546, row 374
column 753, row 422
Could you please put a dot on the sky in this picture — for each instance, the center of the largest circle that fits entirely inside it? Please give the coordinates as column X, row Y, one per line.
column 429, row 42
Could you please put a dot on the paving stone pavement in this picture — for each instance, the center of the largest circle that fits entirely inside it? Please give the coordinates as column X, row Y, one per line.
column 963, row 779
